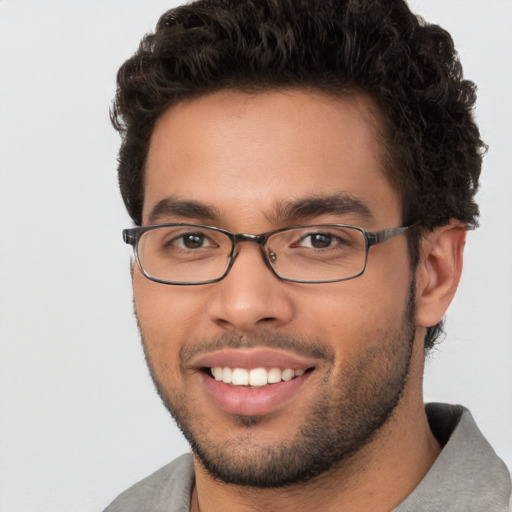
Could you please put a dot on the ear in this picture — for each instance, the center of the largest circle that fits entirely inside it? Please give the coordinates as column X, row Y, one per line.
column 438, row 272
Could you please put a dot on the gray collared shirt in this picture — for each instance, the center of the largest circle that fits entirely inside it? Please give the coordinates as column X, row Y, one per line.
column 467, row 476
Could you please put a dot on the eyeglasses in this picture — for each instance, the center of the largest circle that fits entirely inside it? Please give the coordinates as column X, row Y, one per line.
column 191, row 254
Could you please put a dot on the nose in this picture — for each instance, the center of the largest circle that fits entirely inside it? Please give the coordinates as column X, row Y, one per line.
column 251, row 296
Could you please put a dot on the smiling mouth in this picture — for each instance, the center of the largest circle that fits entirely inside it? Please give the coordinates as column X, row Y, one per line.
column 255, row 377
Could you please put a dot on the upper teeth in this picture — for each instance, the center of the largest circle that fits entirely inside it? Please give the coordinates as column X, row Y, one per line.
column 254, row 377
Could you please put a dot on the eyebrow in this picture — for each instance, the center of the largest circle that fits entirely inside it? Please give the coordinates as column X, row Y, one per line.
column 284, row 212
column 188, row 209
column 311, row 207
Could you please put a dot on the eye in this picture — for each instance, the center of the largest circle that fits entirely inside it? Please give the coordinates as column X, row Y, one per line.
column 321, row 240
column 191, row 241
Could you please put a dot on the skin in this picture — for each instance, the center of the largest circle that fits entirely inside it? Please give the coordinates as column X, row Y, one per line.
column 243, row 154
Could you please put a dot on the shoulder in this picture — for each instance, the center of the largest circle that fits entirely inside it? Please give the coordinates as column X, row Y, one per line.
column 467, row 476
column 167, row 489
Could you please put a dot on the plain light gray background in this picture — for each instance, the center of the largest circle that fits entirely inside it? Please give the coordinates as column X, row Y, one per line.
column 79, row 420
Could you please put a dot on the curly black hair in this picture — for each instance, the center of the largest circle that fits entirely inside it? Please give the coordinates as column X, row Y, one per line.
column 408, row 67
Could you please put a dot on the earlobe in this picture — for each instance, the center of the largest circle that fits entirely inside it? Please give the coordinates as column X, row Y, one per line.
column 438, row 272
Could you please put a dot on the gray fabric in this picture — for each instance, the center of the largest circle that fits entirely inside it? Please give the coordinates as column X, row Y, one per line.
column 466, row 477
column 166, row 490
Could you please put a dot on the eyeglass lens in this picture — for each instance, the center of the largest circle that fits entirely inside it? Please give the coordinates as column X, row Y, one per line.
column 194, row 254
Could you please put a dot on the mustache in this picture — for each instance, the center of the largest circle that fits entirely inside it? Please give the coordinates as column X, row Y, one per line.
column 308, row 347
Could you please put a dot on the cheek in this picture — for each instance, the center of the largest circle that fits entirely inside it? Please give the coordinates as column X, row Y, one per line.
column 352, row 315
column 164, row 315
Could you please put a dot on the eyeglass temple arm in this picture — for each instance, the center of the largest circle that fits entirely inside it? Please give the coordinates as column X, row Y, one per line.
column 381, row 236
column 129, row 237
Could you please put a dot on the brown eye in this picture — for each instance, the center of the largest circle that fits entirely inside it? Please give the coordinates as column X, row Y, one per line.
column 320, row 240
column 193, row 240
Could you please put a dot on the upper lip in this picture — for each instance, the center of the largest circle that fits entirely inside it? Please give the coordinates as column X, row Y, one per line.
column 249, row 358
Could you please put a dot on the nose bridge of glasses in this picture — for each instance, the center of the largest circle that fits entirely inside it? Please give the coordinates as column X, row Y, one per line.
column 257, row 239
column 246, row 237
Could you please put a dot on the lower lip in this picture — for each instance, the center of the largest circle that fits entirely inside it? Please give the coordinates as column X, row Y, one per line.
column 256, row 401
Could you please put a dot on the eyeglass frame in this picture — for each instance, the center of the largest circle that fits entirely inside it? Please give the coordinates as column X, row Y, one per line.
column 131, row 236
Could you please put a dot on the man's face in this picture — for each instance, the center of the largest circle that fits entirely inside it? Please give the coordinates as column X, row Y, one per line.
column 255, row 163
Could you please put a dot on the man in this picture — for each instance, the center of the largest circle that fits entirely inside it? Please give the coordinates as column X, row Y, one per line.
column 338, row 137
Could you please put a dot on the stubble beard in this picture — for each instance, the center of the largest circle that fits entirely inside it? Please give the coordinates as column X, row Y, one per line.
column 344, row 418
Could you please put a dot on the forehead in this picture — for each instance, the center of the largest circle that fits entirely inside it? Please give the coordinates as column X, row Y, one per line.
column 249, row 155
